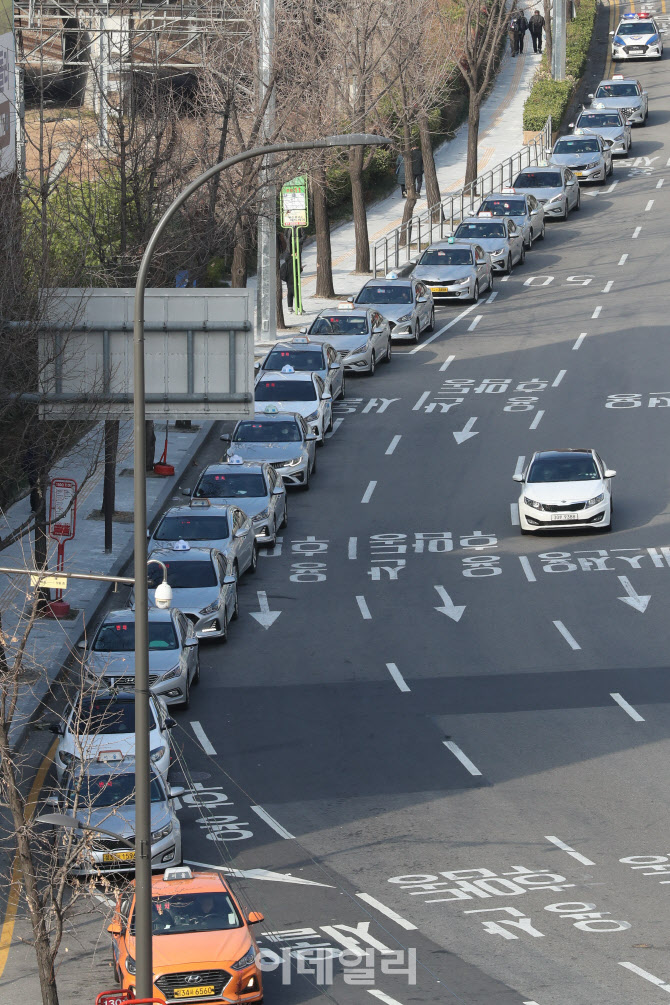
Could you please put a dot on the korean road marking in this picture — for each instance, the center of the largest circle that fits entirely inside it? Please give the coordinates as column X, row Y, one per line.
column 647, row 208
column 580, row 340
column 659, row 183
column 463, row 758
column 626, row 707
column 636, row 232
column 505, row 278
column 367, row 495
column 514, row 514
column 397, row 677
column 646, row 975
column 525, row 565
column 559, row 377
column 529, row 1003
column 336, row 425
column 667, row 163
column 566, row 635
column 519, row 464
column 492, row 297
column 536, row 421
column 623, row 259
column 382, row 997
column 352, row 550
column 426, row 394
column 571, row 851
column 608, row 286
column 392, row 445
column 383, row 909
column 447, row 362
column 441, row 330
column 202, row 737
column 271, row 822
column 475, row 321
column 363, row 608
column 596, row 313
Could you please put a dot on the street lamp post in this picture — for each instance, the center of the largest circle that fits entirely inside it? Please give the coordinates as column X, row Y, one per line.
column 144, row 960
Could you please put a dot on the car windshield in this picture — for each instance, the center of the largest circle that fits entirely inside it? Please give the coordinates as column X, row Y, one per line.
column 108, row 716
column 232, row 485
column 119, row 636
column 339, row 324
column 481, row 230
column 286, row 431
column 564, row 468
column 539, row 179
column 599, row 120
column 577, row 147
column 385, row 295
column 504, row 207
column 617, row 91
column 636, row 28
column 101, row 790
column 308, row 359
column 193, row 528
column 446, row 256
column 285, row 390
column 176, row 914
column 184, row 575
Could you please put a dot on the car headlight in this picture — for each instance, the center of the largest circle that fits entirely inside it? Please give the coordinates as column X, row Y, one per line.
column 532, row 502
column 174, row 671
column 620, row 137
column 360, row 348
column 313, row 416
column 555, row 198
column 246, row 960
column 498, row 251
column 130, row 965
column 158, row 752
column 214, row 606
column 593, row 164
column 596, row 499
column 294, row 462
column 460, row 282
column 162, row 833
column 405, row 317
column 263, row 515
column 65, row 757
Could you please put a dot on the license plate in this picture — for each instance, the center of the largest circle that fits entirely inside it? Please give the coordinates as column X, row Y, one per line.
column 440, row 289
column 119, row 856
column 579, row 174
column 205, row 989
column 636, row 48
column 565, row 516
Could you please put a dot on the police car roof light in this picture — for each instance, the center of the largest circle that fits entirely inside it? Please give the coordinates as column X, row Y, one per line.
column 181, row 545
column 287, row 369
column 177, row 872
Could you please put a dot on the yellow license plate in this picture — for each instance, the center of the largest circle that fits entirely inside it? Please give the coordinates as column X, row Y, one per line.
column 440, row 289
column 205, row 989
column 579, row 174
column 120, row 856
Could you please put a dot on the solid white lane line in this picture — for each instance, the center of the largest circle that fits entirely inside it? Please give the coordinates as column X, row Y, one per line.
column 647, row 208
column 271, row 822
column 367, row 495
column 596, row 313
column 525, row 565
column 382, row 997
column 514, row 514
column 521, row 460
column 463, row 758
column 383, row 909
column 441, row 330
column 626, row 707
column 415, row 408
column 336, row 425
column 608, row 286
column 447, row 362
column 623, row 259
column 647, row 976
column 536, row 421
column 392, row 445
column 571, row 851
column 397, row 677
column 202, row 737
column 492, row 297
column 363, row 608
column 566, row 635
column 659, row 183
column 473, row 324
column 529, row 1003
column 667, row 163
column 352, row 550
column 580, row 340
column 636, row 232
column 559, row 377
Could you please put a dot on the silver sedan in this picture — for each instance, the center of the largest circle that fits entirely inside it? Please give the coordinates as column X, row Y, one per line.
column 525, row 210
column 626, row 95
column 502, row 240
column 590, row 157
column 226, row 528
column 201, row 587
column 611, row 125
column 554, row 185
column 361, row 336
column 455, row 270
column 281, row 439
column 407, row 305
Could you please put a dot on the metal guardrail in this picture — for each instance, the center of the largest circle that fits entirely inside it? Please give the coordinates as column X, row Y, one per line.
column 437, row 222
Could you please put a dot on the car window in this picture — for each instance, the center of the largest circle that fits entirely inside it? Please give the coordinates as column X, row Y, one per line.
column 285, row 431
column 563, row 468
column 446, row 256
column 309, row 360
column 636, row 28
column 100, row 790
column 109, row 716
column 184, row 575
column 119, row 636
column 232, row 485
column 285, row 390
column 177, row 914
column 208, row 527
column 539, row 179
column 339, row 324
column 384, row 294
column 480, row 230
column 599, row 120
column 577, row 146
column 504, row 207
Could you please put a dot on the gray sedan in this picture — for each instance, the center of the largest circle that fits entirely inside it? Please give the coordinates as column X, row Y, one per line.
column 174, row 658
column 407, row 305
column 525, row 210
column 502, row 240
column 455, row 270
column 610, row 125
column 202, row 588
column 361, row 336
column 282, row 439
column 626, row 95
column 554, row 185
column 226, row 528
column 306, row 356
column 590, row 157
column 254, row 486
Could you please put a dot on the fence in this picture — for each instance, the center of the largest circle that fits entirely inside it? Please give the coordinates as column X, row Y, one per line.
column 435, row 223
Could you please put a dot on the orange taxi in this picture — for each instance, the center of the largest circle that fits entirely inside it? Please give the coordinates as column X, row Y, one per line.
column 203, row 949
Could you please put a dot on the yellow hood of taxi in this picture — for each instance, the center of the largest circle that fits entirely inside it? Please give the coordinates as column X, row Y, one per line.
column 209, row 950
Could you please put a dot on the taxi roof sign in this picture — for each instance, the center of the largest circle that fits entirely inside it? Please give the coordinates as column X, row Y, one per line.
column 300, row 340
column 181, row 545
column 176, row 873
column 200, row 503
column 618, row 76
column 287, row 369
column 346, row 305
column 235, row 459
column 271, row 410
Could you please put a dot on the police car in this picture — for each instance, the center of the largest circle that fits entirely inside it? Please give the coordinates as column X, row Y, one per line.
column 637, row 37
column 304, row 393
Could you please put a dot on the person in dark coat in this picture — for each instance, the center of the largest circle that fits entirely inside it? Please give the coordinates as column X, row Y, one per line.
column 535, row 26
column 400, row 174
column 522, row 28
column 417, row 168
column 518, row 27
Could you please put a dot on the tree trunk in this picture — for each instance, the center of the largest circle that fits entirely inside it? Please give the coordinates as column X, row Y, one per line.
column 360, row 214
column 548, row 38
column 281, row 322
column 109, row 480
column 410, row 187
column 429, row 172
column 324, row 257
column 473, row 136
column 238, row 272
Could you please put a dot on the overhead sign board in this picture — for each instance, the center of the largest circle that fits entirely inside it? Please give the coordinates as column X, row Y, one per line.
column 294, row 203
column 7, row 91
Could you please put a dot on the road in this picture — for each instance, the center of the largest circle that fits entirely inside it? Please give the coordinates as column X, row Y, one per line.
column 452, row 739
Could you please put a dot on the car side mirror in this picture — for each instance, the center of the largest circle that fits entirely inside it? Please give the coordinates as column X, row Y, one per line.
column 148, row 534
column 82, row 644
column 334, row 366
column 310, row 437
column 255, row 917
column 257, row 365
column 170, row 723
column 611, row 33
column 350, row 300
column 116, row 928
column 52, row 800
column 590, row 97
column 278, row 490
column 517, row 478
column 186, row 492
column 175, row 791
column 303, row 331
column 229, row 580
column 326, row 396
column 377, row 331
column 571, row 125
column 191, row 640
column 422, row 300
column 242, row 532
column 227, row 437
column 609, row 473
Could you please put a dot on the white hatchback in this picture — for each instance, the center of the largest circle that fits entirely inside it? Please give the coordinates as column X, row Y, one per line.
column 565, row 488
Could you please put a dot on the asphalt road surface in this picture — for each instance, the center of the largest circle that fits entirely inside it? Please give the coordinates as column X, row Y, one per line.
column 450, row 743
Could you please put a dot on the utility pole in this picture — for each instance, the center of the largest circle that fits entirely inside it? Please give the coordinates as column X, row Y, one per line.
column 266, row 271
column 558, row 41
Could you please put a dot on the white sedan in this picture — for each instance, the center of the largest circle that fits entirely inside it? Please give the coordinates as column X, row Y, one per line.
column 300, row 392
column 565, row 488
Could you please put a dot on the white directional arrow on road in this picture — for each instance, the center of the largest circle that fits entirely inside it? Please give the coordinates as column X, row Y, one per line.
column 277, row 877
column 450, row 609
column 265, row 616
column 633, row 599
column 465, row 433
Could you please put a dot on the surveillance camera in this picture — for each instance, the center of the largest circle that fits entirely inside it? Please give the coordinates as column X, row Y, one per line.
column 163, row 595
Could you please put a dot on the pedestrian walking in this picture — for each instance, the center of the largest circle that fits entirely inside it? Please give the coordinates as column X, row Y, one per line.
column 400, row 174
column 513, row 32
column 536, row 26
column 522, row 28
column 417, row 168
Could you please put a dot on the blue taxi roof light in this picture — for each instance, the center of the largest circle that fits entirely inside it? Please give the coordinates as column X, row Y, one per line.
column 235, row 459
column 287, row 369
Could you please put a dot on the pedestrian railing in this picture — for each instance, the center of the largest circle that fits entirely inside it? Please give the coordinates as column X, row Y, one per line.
column 396, row 248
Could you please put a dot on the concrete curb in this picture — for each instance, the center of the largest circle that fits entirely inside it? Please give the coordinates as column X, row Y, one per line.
column 25, row 718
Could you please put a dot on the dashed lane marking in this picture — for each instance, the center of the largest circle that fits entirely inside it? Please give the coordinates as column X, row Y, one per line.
column 659, row 183
column 448, row 361
column 203, row 739
column 463, row 758
column 566, row 635
column 536, row 421
column 559, row 377
column 649, row 205
column 580, row 340
column 367, row 495
column 528, row 572
column 608, row 286
column 383, row 909
column 271, row 822
column 397, row 677
column 363, row 608
column 514, row 514
column 647, row 976
column 393, row 444
column 596, row 313
column 636, row 232
column 383, row 997
column 623, row 259
column 492, row 297
column 567, row 848
column 352, row 550
column 426, row 394
column 475, row 321
column 635, row 715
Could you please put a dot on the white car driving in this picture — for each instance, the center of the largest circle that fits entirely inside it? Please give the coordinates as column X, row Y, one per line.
column 565, row 488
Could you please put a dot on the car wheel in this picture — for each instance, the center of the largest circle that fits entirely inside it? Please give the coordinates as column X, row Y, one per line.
column 431, row 323
column 508, row 267
column 389, row 351
column 373, row 363
column 417, row 332
column 343, row 390
column 330, row 422
column 522, row 256
column 284, row 521
column 611, row 170
column 196, row 674
column 254, row 559
column 187, row 696
column 530, row 240
column 273, row 540
column 475, row 292
column 314, row 466
column 540, row 236
column 630, row 146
